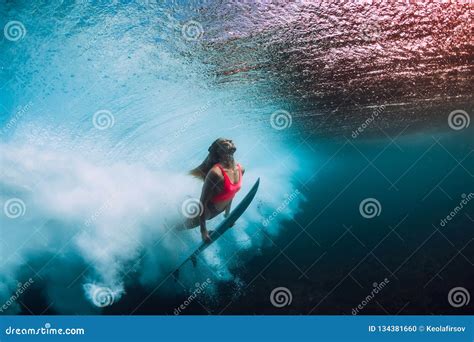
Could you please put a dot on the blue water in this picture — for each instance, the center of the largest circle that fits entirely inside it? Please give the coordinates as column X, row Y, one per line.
column 105, row 106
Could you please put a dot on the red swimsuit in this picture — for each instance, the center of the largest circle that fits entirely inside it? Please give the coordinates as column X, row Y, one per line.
column 230, row 189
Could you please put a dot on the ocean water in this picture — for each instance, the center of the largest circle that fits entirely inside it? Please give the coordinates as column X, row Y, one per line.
column 105, row 106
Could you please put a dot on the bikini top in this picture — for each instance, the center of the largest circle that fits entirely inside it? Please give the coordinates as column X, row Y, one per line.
column 230, row 189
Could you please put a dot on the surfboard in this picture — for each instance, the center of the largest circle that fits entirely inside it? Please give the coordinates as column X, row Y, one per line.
column 222, row 227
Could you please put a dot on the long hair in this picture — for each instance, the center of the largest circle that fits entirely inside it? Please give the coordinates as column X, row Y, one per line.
column 211, row 160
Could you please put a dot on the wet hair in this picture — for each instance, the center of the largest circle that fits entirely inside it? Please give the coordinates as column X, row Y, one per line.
column 216, row 150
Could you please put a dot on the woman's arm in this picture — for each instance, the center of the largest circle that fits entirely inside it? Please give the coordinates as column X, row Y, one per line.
column 227, row 209
column 209, row 189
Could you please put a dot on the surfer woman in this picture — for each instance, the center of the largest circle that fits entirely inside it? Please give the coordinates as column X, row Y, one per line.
column 222, row 178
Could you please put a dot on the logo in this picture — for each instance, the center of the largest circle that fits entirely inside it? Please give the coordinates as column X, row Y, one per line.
column 458, row 119
column 14, row 31
column 103, row 119
column 281, row 119
column 458, row 297
column 192, row 208
column 370, row 207
column 14, row 208
column 280, row 297
column 192, row 30
column 102, row 297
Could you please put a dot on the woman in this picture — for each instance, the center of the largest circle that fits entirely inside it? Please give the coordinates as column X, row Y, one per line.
column 222, row 180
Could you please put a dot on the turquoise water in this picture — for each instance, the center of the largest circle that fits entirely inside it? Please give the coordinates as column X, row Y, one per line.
column 105, row 106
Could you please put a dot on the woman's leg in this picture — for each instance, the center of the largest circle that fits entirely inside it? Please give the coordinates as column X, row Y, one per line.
column 211, row 211
column 191, row 223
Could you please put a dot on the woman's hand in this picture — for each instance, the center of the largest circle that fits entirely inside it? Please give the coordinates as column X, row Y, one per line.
column 205, row 236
